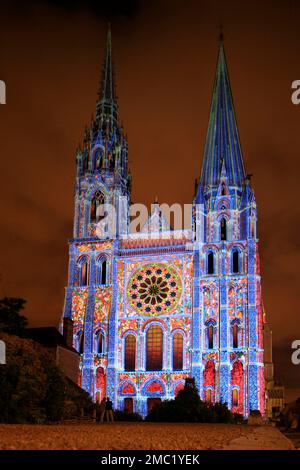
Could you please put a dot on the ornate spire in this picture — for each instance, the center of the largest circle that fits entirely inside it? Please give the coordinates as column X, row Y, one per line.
column 107, row 106
column 222, row 140
column 105, row 143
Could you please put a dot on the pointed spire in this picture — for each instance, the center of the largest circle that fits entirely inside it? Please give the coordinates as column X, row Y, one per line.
column 107, row 107
column 107, row 86
column 222, row 140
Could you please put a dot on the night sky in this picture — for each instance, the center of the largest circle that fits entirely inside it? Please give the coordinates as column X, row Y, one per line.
column 165, row 55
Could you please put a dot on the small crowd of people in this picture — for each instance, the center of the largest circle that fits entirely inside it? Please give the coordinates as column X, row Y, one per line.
column 106, row 410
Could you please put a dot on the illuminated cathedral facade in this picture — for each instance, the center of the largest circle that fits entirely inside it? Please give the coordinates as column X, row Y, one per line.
column 147, row 312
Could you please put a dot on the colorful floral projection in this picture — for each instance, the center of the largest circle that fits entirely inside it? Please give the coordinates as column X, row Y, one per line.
column 154, row 289
column 236, row 303
column 102, row 305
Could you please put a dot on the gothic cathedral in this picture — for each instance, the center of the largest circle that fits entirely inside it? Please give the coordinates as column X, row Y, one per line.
column 146, row 312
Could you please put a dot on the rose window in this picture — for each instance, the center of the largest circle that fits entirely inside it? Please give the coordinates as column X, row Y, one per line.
column 154, row 289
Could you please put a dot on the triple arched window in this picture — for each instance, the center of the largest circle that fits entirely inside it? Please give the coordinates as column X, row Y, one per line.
column 154, row 350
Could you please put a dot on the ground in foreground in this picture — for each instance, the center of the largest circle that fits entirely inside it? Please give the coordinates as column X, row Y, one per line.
column 146, row 436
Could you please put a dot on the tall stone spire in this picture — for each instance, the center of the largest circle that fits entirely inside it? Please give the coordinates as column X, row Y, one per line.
column 107, row 106
column 222, row 140
column 105, row 144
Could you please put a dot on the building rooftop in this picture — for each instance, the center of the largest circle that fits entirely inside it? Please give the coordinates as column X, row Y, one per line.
column 49, row 337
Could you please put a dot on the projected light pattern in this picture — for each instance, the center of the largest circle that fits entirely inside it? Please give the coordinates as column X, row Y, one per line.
column 147, row 312
column 154, row 289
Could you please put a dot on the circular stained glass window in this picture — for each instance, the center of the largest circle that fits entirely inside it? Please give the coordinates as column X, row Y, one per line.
column 154, row 289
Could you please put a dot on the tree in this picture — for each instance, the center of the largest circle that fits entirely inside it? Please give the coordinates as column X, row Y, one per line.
column 188, row 407
column 22, row 382
column 11, row 321
column 32, row 387
column 55, row 387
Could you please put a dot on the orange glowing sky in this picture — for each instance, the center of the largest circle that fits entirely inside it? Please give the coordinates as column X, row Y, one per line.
column 165, row 55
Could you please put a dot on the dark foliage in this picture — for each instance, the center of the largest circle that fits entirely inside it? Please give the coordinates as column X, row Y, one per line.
column 32, row 387
column 189, row 408
column 11, row 321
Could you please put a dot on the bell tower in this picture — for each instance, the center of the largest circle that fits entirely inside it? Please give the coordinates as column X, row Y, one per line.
column 228, row 321
column 102, row 162
column 102, row 197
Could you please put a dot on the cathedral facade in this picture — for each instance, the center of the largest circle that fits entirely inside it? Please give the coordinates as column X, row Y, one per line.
column 147, row 312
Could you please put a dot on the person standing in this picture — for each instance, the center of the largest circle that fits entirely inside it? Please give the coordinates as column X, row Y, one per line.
column 109, row 410
column 102, row 409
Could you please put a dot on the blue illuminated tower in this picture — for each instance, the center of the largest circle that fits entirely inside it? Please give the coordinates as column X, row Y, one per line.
column 102, row 178
column 228, row 353
column 102, row 164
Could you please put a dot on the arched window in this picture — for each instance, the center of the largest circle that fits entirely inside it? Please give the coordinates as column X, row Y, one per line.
column 178, row 351
column 235, row 261
column 209, row 379
column 80, row 342
column 83, row 267
column 96, row 202
column 237, row 387
column 101, row 271
column 223, row 229
column 130, row 350
column 100, row 345
column 100, row 383
column 210, row 263
column 210, row 336
column 235, row 397
column 84, row 273
column 223, row 190
column 208, row 395
column 235, row 336
column 154, row 344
